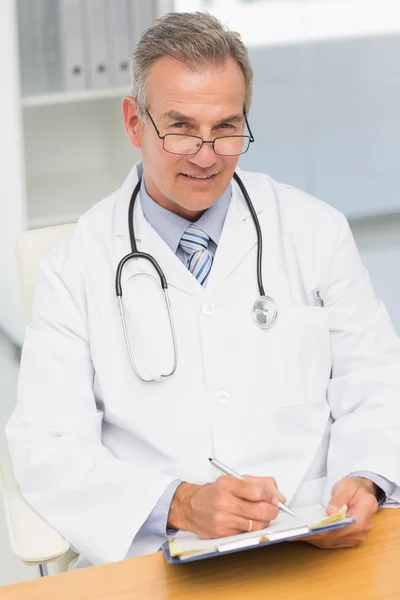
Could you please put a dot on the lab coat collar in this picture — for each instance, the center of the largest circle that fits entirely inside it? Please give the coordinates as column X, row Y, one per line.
column 125, row 192
column 175, row 271
column 237, row 239
column 239, row 234
column 254, row 191
column 123, row 196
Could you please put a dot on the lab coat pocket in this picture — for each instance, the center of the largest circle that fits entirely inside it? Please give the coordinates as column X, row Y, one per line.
column 303, row 355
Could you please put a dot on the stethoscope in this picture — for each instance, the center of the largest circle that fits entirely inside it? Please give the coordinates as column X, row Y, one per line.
column 265, row 309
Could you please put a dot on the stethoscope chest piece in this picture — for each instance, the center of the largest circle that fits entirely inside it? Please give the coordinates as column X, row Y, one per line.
column 265, row 312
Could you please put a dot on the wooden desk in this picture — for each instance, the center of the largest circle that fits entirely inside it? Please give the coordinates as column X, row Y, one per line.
column 290, row 571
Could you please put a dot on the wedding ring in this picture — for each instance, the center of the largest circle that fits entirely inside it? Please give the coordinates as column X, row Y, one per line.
column 250, row 525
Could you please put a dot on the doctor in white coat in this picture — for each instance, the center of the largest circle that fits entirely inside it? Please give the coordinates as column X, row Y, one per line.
column 309, row 408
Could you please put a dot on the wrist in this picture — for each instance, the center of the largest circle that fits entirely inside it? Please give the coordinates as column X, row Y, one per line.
column 179, row 511
column 370, row 486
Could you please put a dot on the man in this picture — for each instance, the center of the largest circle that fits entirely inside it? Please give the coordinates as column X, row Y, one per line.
column 308, row 409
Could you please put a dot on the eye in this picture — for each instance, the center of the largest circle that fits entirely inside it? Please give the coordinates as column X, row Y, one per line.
column 226, row 126
column 179, row 125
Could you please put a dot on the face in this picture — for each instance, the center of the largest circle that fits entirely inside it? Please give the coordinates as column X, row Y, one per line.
column 207, row 104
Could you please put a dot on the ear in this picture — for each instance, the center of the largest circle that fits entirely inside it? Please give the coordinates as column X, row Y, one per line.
column 133, row 125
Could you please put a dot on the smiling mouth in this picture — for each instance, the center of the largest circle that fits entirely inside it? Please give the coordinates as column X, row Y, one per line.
column 200, row 177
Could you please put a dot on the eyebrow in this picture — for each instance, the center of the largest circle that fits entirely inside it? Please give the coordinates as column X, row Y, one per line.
column 173, row 114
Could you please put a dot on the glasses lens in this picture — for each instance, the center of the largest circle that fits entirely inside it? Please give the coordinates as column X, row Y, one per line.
column 231, row 146
column 181, row 144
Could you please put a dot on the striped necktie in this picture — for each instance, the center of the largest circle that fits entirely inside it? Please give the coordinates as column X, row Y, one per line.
column 195, row 243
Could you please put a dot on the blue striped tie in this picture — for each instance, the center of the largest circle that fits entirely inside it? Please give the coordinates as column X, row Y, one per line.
column 195, row 243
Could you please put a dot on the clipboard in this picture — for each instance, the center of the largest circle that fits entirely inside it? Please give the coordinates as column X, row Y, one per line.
column 266, row 537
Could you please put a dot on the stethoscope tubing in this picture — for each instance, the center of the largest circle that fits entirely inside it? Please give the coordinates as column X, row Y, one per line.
column 163, row 280
column 258, row 230
column 261, row 308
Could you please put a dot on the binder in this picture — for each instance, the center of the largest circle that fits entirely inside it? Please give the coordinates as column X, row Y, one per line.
column 72, row 45
column 140, row 14
column 30, row 19
column 96, row 43
column 53, row 71
column 119, row 45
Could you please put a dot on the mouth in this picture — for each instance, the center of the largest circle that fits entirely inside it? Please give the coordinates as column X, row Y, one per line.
column 199, row 179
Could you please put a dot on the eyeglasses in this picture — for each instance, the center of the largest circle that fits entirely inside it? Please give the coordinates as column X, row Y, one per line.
column 229, row 145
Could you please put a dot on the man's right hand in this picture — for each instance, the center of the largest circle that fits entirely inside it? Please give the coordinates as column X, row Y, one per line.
column 225, row 507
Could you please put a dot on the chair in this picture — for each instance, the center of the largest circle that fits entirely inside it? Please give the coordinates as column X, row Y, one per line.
column 31, row 538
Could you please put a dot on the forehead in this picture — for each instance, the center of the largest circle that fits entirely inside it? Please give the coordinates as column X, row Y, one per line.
column 172, row 85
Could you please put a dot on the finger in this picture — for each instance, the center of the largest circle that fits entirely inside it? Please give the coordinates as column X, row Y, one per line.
column 255, row 491
column 329, row 541
column 228, row 503
column 333, row 537
column 342, row 493
column 225, row 524
column 326, row 539
column 328, row 545
column 363, row 507
column 255, row 525
column 351, row 535
column 268, row 481
column 258, row 511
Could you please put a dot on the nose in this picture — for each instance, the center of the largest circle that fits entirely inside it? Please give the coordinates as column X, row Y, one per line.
column 205, row 158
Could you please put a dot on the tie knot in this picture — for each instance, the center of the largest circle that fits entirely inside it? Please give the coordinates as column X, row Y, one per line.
column 194, row 239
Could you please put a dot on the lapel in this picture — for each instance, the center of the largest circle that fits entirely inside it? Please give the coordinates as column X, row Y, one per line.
column 239, row 234
column 237, row 239
column 148, row 241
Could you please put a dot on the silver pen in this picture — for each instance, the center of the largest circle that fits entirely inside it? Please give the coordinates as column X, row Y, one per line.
column 228, row 471
column 317, row 299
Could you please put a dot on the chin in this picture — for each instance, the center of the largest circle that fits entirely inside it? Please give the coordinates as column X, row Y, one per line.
column 198, row 199
column 199, row 206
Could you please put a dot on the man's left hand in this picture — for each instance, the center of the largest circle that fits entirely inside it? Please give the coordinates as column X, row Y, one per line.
column 360, row 496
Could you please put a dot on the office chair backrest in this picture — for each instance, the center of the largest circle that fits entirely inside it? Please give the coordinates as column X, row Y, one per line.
column 31, row 247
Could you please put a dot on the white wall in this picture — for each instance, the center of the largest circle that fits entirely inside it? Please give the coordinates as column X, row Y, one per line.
column 326, row 118
column 12, row 181
column 378, row 241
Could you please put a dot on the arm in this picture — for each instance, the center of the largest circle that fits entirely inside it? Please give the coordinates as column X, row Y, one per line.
column 364, row 450
column 157, row 521
column 96, row 501
column 225, row 507
column 364, row 392
column 383, row 488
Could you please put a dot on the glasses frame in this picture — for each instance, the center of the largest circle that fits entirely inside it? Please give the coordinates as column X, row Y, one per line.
column 212, row 142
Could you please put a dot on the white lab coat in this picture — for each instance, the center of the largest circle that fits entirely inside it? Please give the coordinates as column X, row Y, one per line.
column 94, row 448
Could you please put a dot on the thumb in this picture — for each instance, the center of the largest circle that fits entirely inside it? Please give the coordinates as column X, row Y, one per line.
column 342, row 493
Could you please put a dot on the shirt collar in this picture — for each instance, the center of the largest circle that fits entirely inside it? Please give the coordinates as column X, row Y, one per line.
column 170, row 227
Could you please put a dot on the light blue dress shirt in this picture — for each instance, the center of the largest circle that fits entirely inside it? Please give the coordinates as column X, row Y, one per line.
column 170, row 227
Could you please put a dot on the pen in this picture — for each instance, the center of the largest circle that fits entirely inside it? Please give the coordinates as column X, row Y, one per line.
column 228, row 471
column 318, row 299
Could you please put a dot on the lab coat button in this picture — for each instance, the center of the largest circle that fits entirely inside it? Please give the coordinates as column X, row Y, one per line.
column 222, row 396
column 208, row 309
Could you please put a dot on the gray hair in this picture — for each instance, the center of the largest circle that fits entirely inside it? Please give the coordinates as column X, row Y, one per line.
column 196, row 40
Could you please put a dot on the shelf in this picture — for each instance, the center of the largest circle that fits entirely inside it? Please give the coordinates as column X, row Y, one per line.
column 70, row 97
